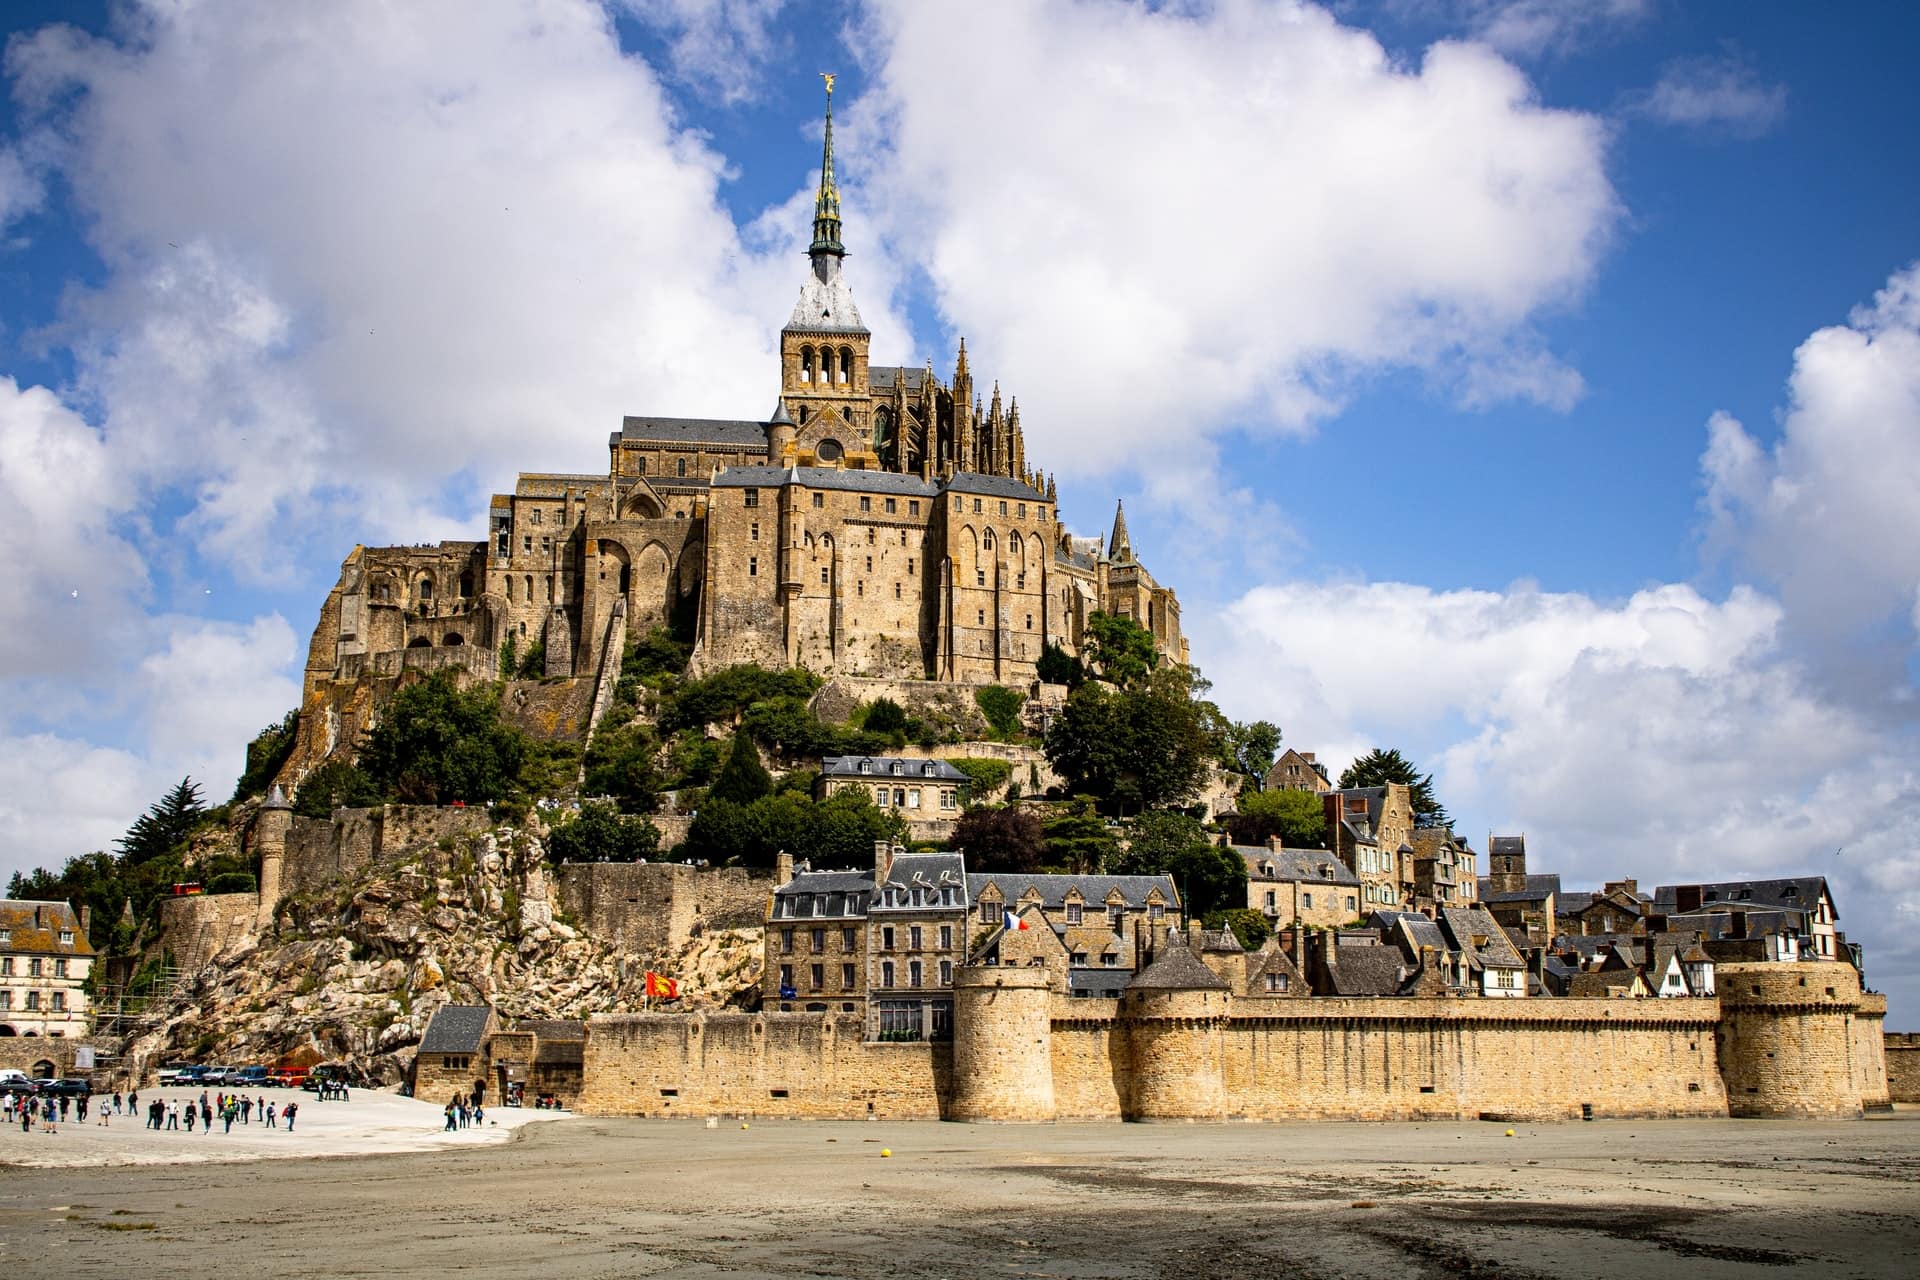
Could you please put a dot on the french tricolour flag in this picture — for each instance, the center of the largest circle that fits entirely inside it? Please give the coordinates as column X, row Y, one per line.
column 1015, row 922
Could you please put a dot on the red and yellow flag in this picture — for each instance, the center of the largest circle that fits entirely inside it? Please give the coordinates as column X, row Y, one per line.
column 663, row 988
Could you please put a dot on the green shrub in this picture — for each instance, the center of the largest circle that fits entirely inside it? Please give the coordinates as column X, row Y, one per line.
column 984, row 777
column 600, row 833
column 1001, row 706
column 233, row 882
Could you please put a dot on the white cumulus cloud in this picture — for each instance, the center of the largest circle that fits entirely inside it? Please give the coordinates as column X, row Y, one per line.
column 1719, row 93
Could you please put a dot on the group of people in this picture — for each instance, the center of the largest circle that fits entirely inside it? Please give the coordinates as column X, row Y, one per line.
column 464, row 1109
column 162, row 1113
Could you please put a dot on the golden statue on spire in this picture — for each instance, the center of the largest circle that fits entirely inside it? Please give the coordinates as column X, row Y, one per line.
column 828, row 77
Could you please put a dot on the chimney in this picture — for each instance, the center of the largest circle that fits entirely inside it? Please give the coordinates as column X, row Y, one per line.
column 782, row 868
column 1297, row 938
column 1739, row 925
column 882, row 862
column 1273, row 843
column 86, row 919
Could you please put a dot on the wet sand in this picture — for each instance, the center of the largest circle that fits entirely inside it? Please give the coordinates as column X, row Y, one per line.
column 588, row 1197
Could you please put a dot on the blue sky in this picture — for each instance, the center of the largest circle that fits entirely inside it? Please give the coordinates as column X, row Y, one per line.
column 1530, row 386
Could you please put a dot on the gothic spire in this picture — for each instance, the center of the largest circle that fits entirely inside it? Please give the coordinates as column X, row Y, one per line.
column 826, row 205
column 1120, row 546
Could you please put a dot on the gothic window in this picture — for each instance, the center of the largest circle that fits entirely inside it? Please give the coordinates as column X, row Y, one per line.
column 986, row 542
column 640, row 465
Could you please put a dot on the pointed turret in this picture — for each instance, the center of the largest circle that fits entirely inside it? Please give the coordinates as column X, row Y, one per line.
column 1120, row 546
column 1019, row 441
column 826, row 304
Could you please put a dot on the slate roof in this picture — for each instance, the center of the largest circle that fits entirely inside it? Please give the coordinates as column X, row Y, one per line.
column 733, row 433
column 1573, row 902
column 994, row 486
column 1223, row 942
column 1538, row 887
column 841, row 478
column 1418, row 930
column 457, row 1028
column 1294, row 865
column 1464, row 924
column 826, row 301
column 927, row 871
column 889, row 767
column 1053, row 889
column 1798, row 894
column 1718, row 925
column 33, row 927
column 1272, row 959
column 1176, row 968
column 554, row 1028
column 1099, row 984
column 1377, row 970
column 1506, row 845
column 824, row 895
column 884, row 376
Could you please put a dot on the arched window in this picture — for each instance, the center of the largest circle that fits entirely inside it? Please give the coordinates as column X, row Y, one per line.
column 466, row 585
column 420, row 642
column 526, row 588
column 424, row 591
column 453, row 638
column 846, row 364
column 986, row 541
column 679, row 466
column 806, row 364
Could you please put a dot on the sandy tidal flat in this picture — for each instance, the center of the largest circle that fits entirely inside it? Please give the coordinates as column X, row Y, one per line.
column 1606, row 1200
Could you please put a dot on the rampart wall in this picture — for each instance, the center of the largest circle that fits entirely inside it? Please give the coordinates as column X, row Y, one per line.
column 766, row 1064
column 657, row 906
column 197, row 928
column 1277, row 1060
column 28, row 1053
column 1902, row 1049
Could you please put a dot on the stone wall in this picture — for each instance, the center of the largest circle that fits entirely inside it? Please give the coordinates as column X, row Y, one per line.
column 1787, row 1045
column 26, row 1053
column 195, row 929
column 550, row 710
column 767, row 1064
column 1277, row 1060
column 656, row 907
column 928, row 699
column 322, row 851
column 1869, row 1051
column 1902, row 1049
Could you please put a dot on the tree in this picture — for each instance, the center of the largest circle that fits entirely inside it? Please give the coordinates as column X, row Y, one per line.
column 1249, row 927
column 1000, row 839
column 600, row 833
column 1251, row 749
column 157, row 831
column 1209, row 877
column 1001, row 706
column 620, row 764
column 1297, row 817
column 1057, row 666
column 839, row 831
column 1079, row 842
column 1379, row 767
column 266, row 753
column 1119, row 649
column 743, row 779
column 1137, row 748
column 985, row 777
column 887, row 718
column 436, row 743
column 334, row 785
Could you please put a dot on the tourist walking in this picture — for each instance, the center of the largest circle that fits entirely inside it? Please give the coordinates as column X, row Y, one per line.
column 192, row 1111
column 206, row 1112
column 173, row 1115
column 449, row 1128
column 80, row 1109
column 246, row 1110
column 293, row 1109
column 269, row 1114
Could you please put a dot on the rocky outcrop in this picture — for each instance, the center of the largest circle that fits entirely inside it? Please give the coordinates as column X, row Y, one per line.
column 356, row 971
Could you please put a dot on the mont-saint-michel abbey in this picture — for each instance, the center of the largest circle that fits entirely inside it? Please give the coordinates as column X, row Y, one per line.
column 878, row 522
column 983, row 934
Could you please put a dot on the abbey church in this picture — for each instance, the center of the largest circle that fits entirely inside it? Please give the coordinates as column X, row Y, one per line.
column 878, row 522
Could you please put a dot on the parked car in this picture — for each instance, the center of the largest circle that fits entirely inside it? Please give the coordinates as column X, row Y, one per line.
column 288, row 1078
column 18, row 1083
column 71, row 1086
column 217, row 1076
column 170, row 1074
column 186, row 1076
column 249, row 1078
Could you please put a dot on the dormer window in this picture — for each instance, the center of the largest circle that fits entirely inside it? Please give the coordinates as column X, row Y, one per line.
column 928, row 770
column 66, row 937
column 866, row 766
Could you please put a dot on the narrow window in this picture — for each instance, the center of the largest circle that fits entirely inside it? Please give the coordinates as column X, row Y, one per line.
column 846, row 977
column 680, row 466
column 866, row 504
column 752, row 499
column 976, row 506
column 1003, row 508
column 819, row 500
column 753, row 566
column 753, row 532
column 823, row 575
column 816, row 976
column 890, row 506
column 913, row 506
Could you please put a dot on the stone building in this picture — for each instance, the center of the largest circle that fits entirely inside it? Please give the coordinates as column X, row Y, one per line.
column 44, row 962
column 1300, row 886
column 1805, row 899
column 879, row 521
column 1444, row 869
column 882, row 942
column 1525, row 904
column 1371, row 830
column 924, row 793
column 1093, row 932
column 1298, row 771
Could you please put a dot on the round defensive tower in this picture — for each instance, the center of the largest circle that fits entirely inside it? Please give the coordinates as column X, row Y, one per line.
column 1786, row 1038
column 1175, row 1013
column 1002, row 1044
column 270, row 827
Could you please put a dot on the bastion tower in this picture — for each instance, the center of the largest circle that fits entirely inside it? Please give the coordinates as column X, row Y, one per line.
column 1002, row 1043
column 270, row 827
column 1787, row 1043
column 1175, row 1013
